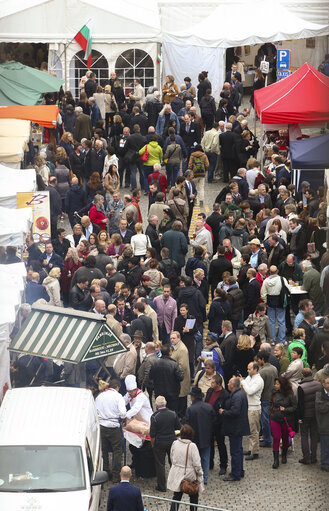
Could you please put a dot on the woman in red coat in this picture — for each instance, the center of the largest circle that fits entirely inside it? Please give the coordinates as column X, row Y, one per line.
column 97, row 212
column 71, row 264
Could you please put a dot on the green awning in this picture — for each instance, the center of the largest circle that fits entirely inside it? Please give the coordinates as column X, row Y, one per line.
column 66, row 334
column 24, row 85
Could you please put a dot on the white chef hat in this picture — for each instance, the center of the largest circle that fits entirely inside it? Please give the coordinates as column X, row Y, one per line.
column 130, row 382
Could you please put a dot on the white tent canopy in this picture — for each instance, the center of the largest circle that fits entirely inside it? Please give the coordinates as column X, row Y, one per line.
column 14, row 226
column 196, row 48
column 13, row 181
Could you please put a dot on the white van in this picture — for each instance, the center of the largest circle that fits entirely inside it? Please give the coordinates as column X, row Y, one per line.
column 50, row 452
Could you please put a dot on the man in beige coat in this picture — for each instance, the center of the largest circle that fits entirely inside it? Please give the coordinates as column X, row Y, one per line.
column 150, row 313
column 125, row 363
column 180, row 355
column 113, row 323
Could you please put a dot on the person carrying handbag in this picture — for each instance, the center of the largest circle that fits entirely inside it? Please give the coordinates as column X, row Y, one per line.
column 185, row 473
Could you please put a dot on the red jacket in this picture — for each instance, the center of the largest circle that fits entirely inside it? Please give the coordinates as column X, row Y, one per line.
column 69, row 266
column 135, row 202
column 96, row 217
column 162, row 181
column 260, row 279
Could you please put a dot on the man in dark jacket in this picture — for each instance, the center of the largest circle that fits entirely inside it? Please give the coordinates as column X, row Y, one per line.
column 236, row 299
column 169, row 267
column 139, row 118
column 134, row 273
column 195, row 301
column 216, row 396
column 164, row 422
column 142, row 322
column 276, row 253
column 166, row 376
column 297, row 238
column 61, row 244
column 102, row 259
column 214, row 220
column 228, row 343
column 217, row 268
column 307, row 390
column 236, row 426
column 175, row 241
column 91, row 85
column 227, row 143
column 201, row 417
column 80, row 298
column 240, row 178
column 322, row 418
column 34, row 291
column 252, row 293
column 153, row 107
column 315, row 352
column 55, row 204
column 75, row 199
column 195, row 262
column 49, row 259
column 90, row 161
column 151, row 232
column 134, row 143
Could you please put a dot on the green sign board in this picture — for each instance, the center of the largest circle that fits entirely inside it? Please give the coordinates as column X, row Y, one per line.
column 105, row 343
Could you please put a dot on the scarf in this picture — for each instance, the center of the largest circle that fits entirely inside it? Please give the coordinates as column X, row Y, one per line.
column 297, row 229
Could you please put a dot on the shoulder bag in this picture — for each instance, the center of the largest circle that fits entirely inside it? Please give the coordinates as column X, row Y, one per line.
column 145, row 155
column 189, row 486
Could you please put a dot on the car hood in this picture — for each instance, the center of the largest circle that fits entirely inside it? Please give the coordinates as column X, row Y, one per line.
column 63, row 501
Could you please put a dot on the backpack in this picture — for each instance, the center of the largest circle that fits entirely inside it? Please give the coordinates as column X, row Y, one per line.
column 169, row 270
column 198, row 167
column 284, row 297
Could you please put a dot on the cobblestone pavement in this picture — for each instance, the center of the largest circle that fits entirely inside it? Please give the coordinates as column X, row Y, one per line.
column 293, row 487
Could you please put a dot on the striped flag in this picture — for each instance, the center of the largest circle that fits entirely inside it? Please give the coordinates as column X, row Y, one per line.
column 83, row 37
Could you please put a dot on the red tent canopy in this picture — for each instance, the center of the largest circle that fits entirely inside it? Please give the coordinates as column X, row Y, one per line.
column 302, row 97
column 45, row 115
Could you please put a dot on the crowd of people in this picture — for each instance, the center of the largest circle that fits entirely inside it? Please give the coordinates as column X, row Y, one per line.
column 251, row 269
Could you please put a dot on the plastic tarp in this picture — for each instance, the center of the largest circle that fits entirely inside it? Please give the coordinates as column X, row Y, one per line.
column 57, row 21
column 14, row 226
column 302, row 97
column 44, row 115
column 24, row 85
column 13, row 181
column 310, row 153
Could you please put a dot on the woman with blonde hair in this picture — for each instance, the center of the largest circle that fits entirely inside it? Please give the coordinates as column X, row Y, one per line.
column 169, row 90
column 111, row 106
column 43, row 169
column 111, row 182
column 83, row 103
column 76, row 236
column 281, row 355
column 116, row 131
column 71, row 264
column 200, row 282
column 67, row 142
column 243, row 354
column 52, row 286
column 140, row 242
column 99, row 99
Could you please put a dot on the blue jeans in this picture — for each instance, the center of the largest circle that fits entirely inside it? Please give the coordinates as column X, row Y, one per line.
column 189, row 151
column 205, row 460
column 236, row 451
column 324, row 447
column 212, row 157
column 265, row 421
column 277, row 314
column 172, row 170
column 148, row 169
column 133, row 171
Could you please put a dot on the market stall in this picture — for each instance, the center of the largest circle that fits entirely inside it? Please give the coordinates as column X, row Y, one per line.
column 309, row 159
column 44, row 115
column 14, row 181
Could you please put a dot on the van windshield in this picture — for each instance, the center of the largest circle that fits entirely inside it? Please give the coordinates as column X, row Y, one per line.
column 41, row 469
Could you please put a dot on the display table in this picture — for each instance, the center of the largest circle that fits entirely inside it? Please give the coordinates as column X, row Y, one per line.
column 296, row 290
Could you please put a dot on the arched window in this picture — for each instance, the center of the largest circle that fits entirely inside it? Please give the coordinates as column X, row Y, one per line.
column 78, row 68
column 132, row 64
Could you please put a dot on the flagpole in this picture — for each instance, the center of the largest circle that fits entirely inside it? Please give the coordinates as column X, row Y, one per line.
column 66, row 46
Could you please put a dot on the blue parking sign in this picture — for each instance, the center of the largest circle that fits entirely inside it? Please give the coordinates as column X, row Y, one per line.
column 283, row 59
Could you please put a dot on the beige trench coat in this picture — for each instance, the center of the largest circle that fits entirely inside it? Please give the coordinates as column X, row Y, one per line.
column 177, row 469
column 180, row 355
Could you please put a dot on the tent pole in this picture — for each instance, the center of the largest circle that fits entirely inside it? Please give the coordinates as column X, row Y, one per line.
column 65, row 67
column 261, row 147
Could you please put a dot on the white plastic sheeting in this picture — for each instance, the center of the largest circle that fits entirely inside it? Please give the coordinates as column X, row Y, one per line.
column 182, row 60
column 13, row 181
column 14, row 226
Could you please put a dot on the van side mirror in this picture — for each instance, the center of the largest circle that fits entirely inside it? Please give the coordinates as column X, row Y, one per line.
column 101, row 477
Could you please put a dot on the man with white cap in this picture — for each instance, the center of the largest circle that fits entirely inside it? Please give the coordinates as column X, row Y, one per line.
column 139, row 403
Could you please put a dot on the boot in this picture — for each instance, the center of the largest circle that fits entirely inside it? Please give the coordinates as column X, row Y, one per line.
column 284, row 455
column 276, row 459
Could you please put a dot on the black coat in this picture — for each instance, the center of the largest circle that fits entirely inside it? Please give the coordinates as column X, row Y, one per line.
column 90, row 87
column 142, row 122
column 143, row 323
column 153, row 107
column 201, row 417
column 227, row 145
column 235, row 415
column 219, row 311
column 90, row 163
column 75, row 198
column 214, row 220
column 151, row 232
column 241, row 359
column 134, row 143
column 228, row 76
column 187, row 337
column 80, row 299
column 235, row 297
column 228, row 346
column 314, row 352
column 76, row 161
column 164, row 422
column 55, row 202
column 202, row 87
column 242, row 278
column 127, row 237
column 195, row 301
column 61, row 248
column 216, row 270
column 219, row 403
column 166, row 376
column 194, row 134
column 88, row 273
column 133, row 276
column 56, row 261
column 243, row 186
column 309, row 334
column 112, row 280
column 252, row 297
